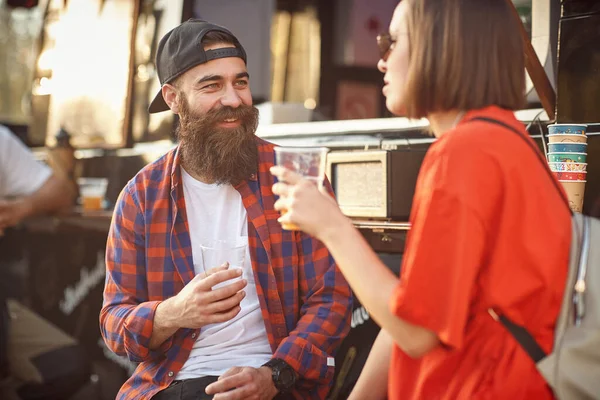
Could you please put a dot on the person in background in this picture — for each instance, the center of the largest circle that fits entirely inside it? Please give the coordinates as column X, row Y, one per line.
column 274, row 332
column 37, row 360
column 27, row 187
column 490, row 232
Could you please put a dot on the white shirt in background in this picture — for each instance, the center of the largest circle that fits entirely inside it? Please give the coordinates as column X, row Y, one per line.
column 20, row 173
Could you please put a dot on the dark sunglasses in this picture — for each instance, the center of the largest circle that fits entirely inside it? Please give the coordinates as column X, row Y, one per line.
column 384, row 43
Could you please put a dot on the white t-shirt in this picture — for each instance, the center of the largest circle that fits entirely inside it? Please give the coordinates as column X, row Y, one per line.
column 20, row 173
column 216, row 212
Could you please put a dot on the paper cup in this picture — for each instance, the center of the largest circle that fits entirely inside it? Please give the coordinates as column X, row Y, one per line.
column 567, row 157
column 567, row 129
column 558, row 138
column 567, row 148
column 570, row 176
column 575, row 191
column 567, row 167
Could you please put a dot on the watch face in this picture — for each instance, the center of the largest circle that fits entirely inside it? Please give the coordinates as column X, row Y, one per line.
column 286, row 377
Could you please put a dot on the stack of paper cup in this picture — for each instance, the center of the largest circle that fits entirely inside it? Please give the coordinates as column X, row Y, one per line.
column 567, row 158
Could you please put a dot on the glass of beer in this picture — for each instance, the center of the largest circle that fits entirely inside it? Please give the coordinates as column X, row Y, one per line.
column 306, row 161
column 93, row 192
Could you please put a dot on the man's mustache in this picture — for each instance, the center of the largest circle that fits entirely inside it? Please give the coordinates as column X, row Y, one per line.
column 242, row 113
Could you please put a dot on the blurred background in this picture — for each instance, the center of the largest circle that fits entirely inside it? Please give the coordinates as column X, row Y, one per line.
column 88, row 65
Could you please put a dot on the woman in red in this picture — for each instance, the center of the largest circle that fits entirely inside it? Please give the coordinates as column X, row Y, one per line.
column 489, row 229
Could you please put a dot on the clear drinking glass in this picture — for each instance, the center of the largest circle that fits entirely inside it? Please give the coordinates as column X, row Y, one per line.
column 217, row 253
column 309, row 162
column 93, row 192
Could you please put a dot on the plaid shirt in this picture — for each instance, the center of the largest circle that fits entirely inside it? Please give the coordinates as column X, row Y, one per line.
column 305, row 301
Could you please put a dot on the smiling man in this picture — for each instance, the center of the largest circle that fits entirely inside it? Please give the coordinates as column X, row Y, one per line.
column 271, row 327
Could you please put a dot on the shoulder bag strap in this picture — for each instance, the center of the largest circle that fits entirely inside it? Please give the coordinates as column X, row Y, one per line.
column 521, row 335
column 532, row 146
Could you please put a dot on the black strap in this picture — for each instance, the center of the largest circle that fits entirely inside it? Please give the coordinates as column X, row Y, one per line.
column 524, row 338
column 521, row 335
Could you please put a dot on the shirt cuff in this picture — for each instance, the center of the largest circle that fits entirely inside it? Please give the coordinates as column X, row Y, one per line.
column 310, row 362
column 138, row 332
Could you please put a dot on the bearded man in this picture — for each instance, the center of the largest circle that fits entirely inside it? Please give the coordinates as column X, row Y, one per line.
column 267, row 328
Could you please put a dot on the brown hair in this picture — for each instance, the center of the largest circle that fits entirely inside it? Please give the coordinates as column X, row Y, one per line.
column 464, row 54
column 214, row 37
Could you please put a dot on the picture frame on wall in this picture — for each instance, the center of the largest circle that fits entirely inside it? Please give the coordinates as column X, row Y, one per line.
column 358, row 93
column 357, row 100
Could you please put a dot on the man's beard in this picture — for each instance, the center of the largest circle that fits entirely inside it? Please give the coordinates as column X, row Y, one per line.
column 215, row 154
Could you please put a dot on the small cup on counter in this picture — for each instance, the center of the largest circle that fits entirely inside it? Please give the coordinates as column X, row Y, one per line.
column 92, row 192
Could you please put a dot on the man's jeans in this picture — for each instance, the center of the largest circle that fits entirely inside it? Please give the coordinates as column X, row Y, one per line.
column 193, row 389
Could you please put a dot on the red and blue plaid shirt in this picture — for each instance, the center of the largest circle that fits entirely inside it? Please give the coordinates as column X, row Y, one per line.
column 305, row 301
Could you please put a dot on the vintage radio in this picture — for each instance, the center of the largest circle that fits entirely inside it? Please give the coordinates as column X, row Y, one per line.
column 375, row 184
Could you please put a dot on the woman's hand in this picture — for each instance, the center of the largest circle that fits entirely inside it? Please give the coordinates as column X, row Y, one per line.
column 303, row 204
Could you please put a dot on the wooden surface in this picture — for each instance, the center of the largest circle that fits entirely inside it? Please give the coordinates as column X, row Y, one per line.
column 98, row 221
column 536, row 71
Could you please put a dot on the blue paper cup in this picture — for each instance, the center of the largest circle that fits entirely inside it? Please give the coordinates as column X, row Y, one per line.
column 567, row 157
column 567, row 148
column 567, row 129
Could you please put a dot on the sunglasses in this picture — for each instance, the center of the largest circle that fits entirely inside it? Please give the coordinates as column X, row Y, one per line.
column 384, row 43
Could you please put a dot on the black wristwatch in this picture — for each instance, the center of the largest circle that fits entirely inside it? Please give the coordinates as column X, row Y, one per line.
column 284, row 376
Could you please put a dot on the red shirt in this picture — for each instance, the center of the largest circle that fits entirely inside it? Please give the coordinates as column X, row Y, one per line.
column 489, row 230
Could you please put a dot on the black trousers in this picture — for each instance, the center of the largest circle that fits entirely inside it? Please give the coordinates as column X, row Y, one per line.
column 187, row 389
column 193, row 389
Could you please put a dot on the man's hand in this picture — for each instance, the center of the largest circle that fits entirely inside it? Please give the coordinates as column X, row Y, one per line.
column 13, row 211
column 245, row 383
column 198, row 304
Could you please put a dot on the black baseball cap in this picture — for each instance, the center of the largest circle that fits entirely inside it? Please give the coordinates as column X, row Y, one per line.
column 181, row 49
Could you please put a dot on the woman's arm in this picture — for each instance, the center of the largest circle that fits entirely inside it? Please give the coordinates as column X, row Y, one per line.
column 373, row 283
column 373, row 380
column 317, row 213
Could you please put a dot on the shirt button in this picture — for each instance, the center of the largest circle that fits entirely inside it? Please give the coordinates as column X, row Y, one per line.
column 170, row 374
column 194, row 335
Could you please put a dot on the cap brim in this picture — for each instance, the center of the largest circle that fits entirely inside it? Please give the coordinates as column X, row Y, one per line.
column 158, row 104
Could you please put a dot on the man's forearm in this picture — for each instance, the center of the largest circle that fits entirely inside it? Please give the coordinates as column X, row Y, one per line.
column 164, row 325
